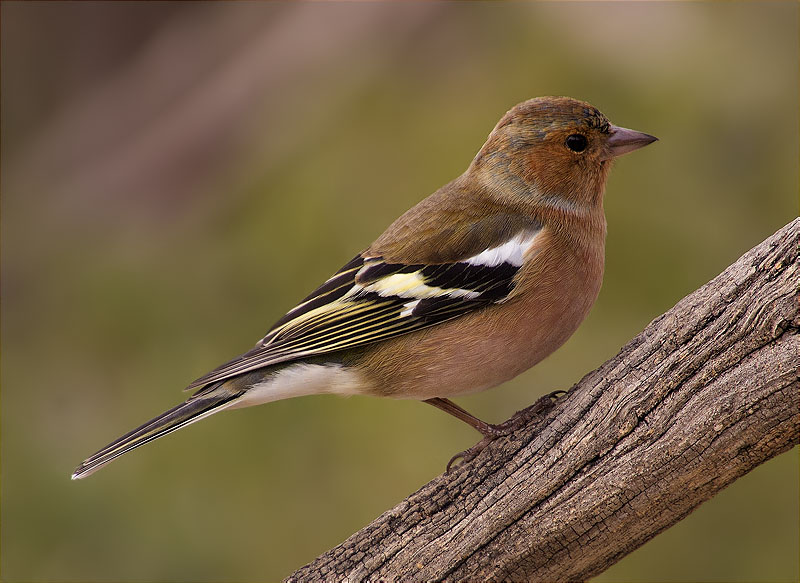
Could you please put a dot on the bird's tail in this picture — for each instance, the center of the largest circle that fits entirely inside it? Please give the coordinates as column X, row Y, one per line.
column 204, row 403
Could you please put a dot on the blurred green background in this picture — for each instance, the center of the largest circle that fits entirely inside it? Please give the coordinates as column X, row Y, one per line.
column 177, row 175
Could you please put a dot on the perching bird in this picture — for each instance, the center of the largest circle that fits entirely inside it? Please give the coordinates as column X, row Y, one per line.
column 469, row 288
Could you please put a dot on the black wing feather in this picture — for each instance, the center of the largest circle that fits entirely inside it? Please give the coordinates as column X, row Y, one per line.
column 359, row 306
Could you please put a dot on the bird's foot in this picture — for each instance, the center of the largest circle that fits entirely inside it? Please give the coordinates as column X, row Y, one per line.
column 517, row 420
column 521, row 418
column 470, row 454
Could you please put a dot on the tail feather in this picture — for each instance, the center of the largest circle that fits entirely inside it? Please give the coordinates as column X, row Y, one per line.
column 197, row 407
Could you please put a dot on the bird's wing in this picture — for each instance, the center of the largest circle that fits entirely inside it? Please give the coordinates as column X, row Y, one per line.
column 370, row 300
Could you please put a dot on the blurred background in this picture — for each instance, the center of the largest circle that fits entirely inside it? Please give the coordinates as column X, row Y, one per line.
column 175, row 176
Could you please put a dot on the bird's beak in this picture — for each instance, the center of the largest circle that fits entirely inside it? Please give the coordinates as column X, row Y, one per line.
column 623, row 140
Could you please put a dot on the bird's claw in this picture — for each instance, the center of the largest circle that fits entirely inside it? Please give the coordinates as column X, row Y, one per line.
column 518, row 420
column 522, row 417
column 470, row 454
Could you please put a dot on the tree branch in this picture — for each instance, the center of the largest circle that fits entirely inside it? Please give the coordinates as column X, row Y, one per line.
column 707, row 392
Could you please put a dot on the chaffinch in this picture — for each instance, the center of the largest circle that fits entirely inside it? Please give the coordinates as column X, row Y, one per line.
column 469, row 288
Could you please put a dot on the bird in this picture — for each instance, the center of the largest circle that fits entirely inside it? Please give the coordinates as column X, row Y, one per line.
column 473, row 285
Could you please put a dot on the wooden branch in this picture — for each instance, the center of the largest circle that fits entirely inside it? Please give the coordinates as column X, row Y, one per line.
column 707, row 392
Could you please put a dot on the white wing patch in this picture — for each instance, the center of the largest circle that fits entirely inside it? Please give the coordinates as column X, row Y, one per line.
column 408, row 308
column 410, row 285
column 417, row 285
column 512, row 251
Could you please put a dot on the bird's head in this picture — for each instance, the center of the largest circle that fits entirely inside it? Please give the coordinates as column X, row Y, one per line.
column 556, row 151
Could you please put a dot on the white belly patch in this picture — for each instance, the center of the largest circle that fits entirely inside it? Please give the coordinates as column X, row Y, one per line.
column 298, row 380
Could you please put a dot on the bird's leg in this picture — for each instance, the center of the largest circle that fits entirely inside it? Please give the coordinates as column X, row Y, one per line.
column 448, row 406
column 489, row 431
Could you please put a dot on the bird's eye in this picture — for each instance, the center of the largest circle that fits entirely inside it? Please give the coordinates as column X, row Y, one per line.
column 577, row 142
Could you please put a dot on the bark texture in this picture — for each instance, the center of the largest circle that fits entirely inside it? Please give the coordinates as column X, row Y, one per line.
column 707, row 392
